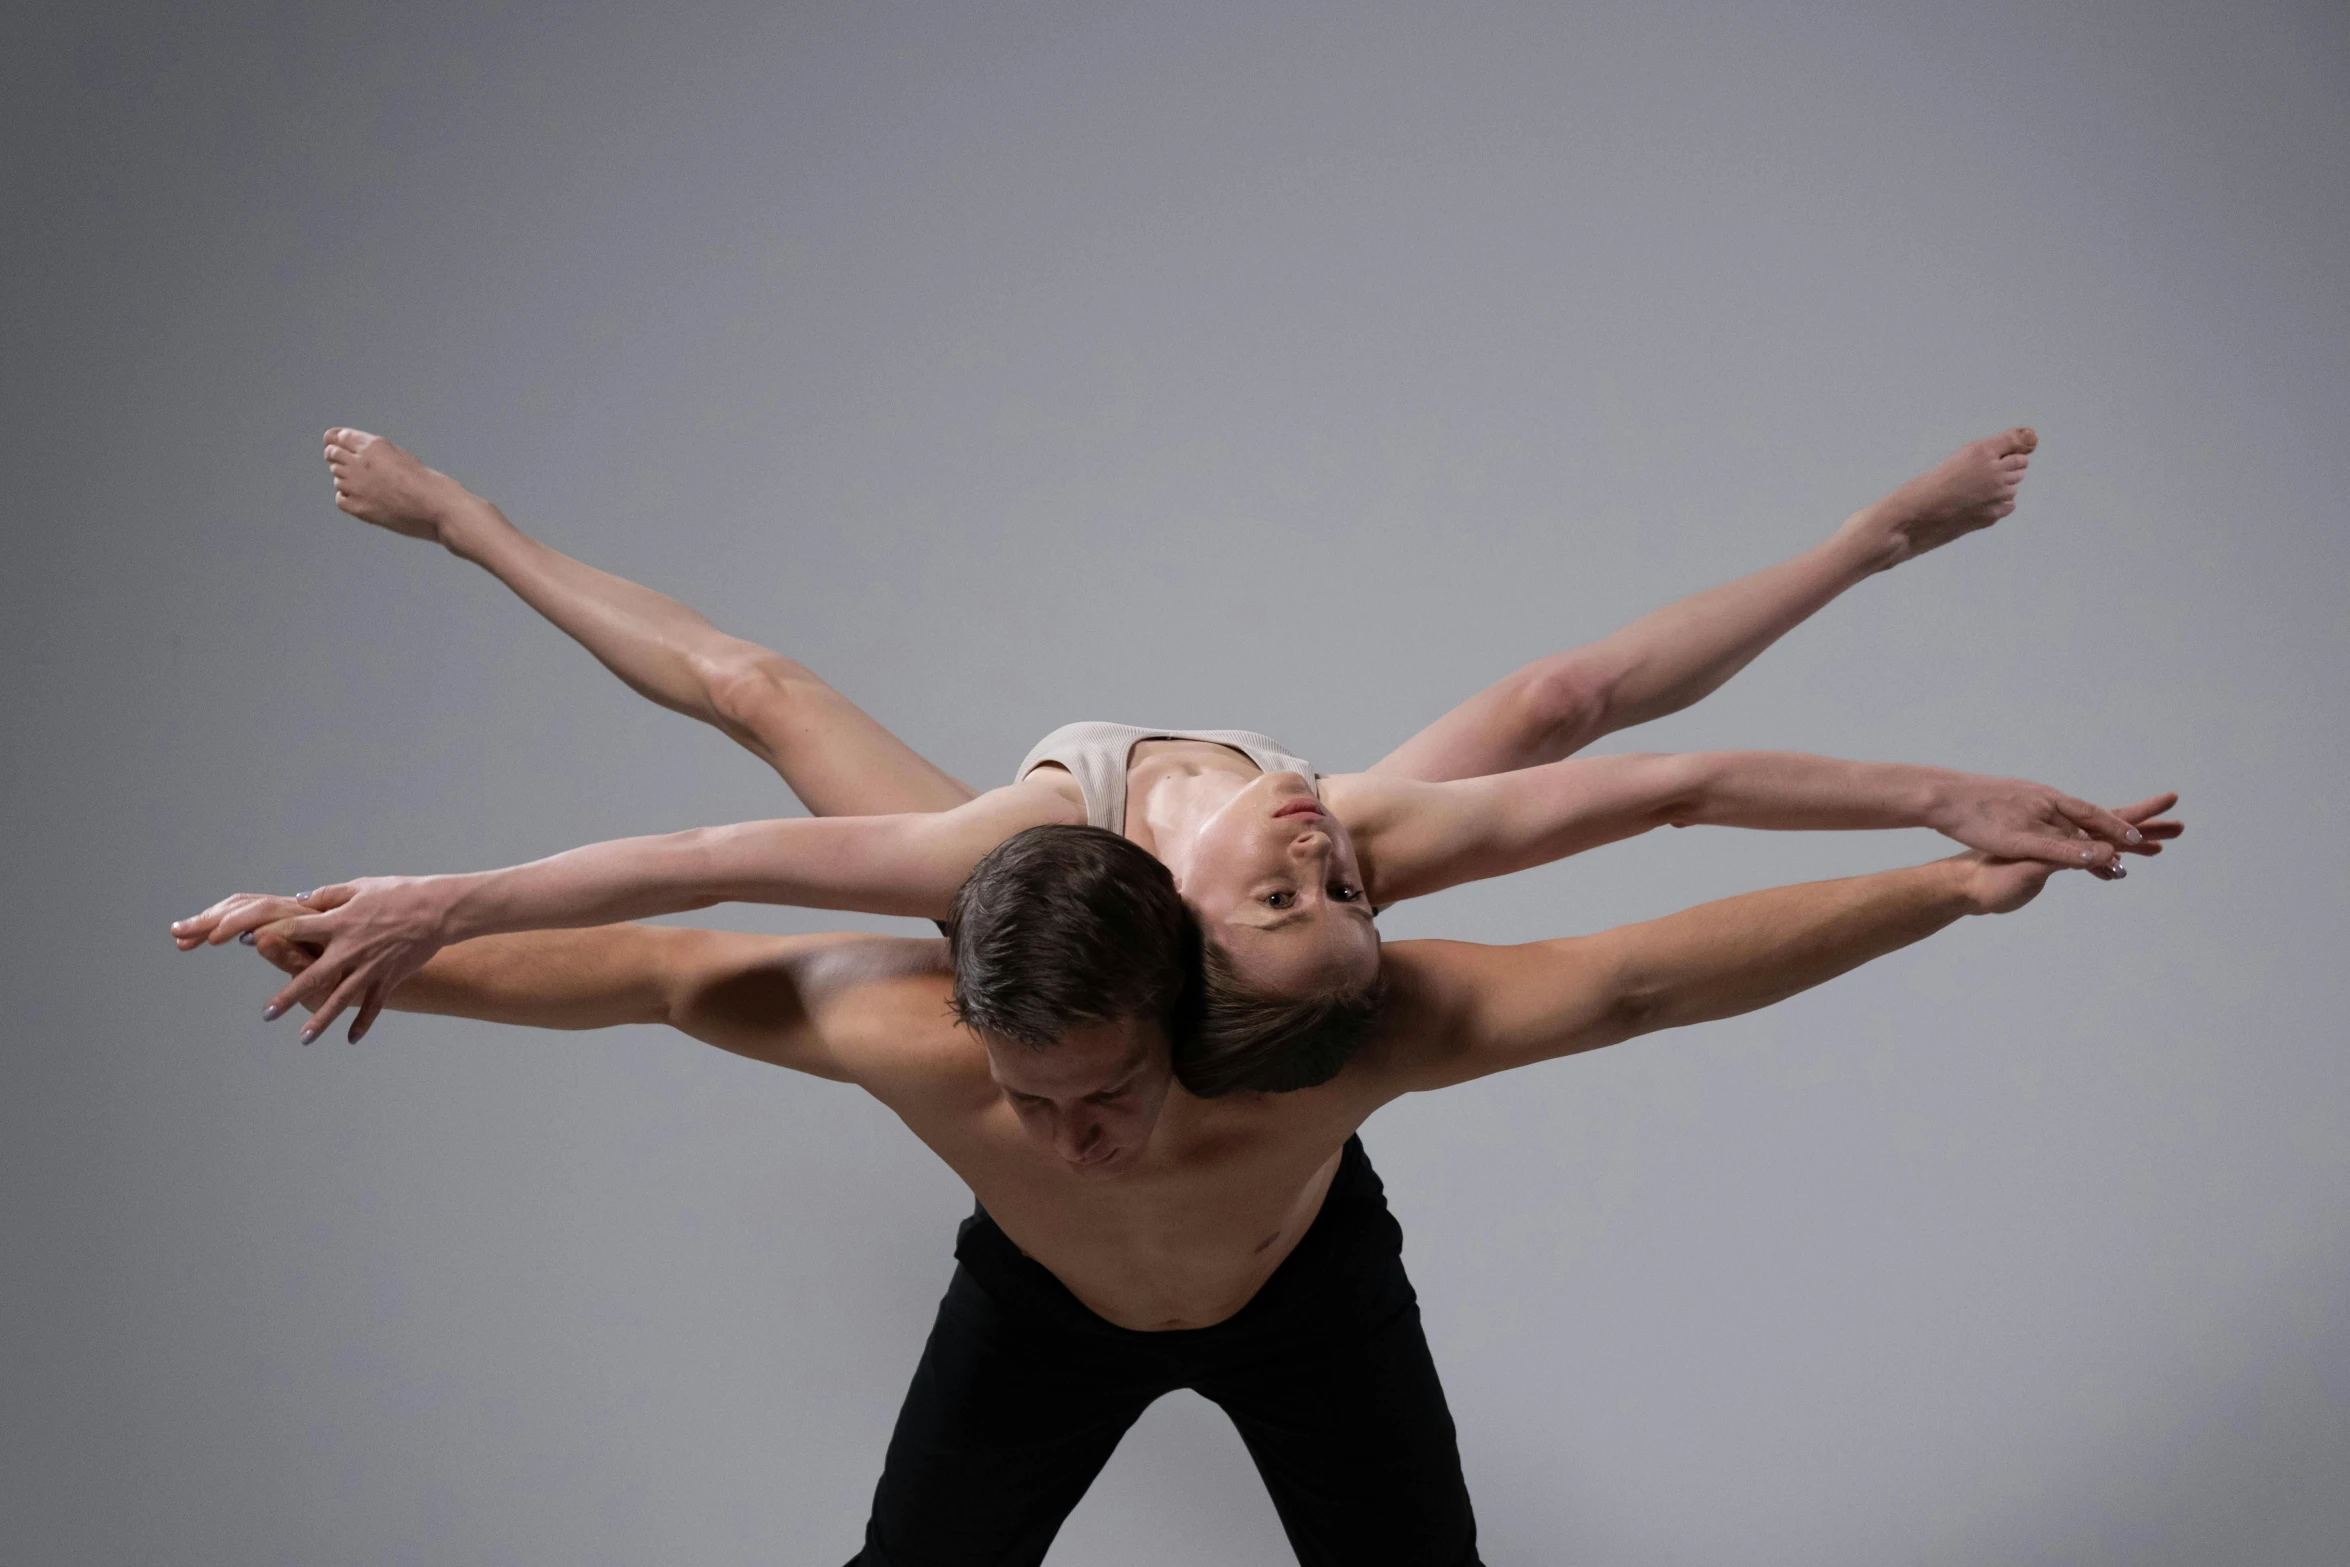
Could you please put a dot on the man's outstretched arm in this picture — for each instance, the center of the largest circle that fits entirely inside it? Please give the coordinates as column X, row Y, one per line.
column 1460, row 1011
column 777, row 999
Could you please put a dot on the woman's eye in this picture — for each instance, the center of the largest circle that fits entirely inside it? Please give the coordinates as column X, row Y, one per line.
column 1343, row 893
column 1279, row 900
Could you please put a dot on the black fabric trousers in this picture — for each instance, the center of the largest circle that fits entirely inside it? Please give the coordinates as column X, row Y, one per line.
column 1022, row 1393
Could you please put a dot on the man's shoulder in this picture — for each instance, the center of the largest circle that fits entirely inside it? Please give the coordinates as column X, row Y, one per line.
column 1442, row 1001
column 777, row 981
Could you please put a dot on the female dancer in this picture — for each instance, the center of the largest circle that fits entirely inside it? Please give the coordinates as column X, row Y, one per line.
column 1283, row 867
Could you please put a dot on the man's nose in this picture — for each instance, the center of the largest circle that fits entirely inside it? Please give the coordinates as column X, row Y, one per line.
column 1075, row 1135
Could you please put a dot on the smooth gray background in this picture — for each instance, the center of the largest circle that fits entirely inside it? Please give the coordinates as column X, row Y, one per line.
column 1301, row 368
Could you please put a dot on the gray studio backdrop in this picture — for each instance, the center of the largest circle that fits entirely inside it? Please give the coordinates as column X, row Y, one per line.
column 1301, row 368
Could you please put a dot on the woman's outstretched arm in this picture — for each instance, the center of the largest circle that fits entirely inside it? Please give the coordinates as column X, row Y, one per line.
column 377, row 932
column 1416, row 838
column 1671, row 658
column 835, row 757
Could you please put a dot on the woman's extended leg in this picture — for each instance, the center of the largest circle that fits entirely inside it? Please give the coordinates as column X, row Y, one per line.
column 835, row 757
column 1667, row 660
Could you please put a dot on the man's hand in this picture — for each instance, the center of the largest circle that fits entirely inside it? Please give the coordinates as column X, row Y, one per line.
column 364, row 937
column 2013, row 819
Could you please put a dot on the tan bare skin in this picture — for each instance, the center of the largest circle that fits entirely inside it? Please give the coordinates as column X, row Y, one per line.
column 1158, row 1209
column 1284, row 878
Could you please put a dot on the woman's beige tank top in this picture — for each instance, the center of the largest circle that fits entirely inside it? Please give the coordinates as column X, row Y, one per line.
column 1096, row 755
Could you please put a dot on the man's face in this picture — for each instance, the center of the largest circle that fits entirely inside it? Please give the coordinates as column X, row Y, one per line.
column 1093, row 1097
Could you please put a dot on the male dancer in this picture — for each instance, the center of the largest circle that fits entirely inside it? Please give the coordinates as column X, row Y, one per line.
column 1134, row 1238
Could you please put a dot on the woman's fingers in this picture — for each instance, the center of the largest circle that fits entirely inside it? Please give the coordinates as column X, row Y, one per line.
column 2059, row 844
column 331, row 896
column 344, row 995
column 313, row 982
column 2098, row 821
column 242, row 913
column 2154, row 828
column 2075, row 845
column 200, row 929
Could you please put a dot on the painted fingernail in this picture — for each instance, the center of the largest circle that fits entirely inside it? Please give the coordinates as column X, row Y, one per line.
column 2119, row 873
column 272, row 1013
column 309, row 1034
column 2135, row 836
column 245, row 938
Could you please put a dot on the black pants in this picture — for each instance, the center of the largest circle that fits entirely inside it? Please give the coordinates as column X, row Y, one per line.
column 1022, row 1394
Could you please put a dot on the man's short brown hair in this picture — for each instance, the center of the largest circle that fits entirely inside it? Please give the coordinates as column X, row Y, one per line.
column 1059, row 926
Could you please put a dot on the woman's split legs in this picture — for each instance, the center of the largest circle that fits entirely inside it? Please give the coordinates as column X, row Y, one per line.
column 1669, row 659
column 835, row 757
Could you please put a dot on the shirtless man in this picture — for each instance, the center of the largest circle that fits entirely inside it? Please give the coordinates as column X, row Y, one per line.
column 1133, row 1238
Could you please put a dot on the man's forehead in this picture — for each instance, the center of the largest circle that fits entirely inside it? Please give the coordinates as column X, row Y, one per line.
column 1084, row 1061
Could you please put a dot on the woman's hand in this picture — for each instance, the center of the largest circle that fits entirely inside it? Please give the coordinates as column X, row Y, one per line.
column 2001, row 885
column 2013, row 819
column 369, row 935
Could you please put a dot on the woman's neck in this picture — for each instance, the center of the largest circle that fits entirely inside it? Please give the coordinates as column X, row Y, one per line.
column 1173, row 787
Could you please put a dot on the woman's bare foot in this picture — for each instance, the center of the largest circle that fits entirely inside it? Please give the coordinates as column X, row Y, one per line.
column 1970, row 489
column 377, row 482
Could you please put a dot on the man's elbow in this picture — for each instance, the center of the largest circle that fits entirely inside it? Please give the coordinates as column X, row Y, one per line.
column 1641, row 1000
column 1638, row 1012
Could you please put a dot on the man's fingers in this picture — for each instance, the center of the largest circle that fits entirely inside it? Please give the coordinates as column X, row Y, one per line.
column 2155, row 806
column 369, row 1005
column 281, row 953
column 317, row 929
column 251, row 915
